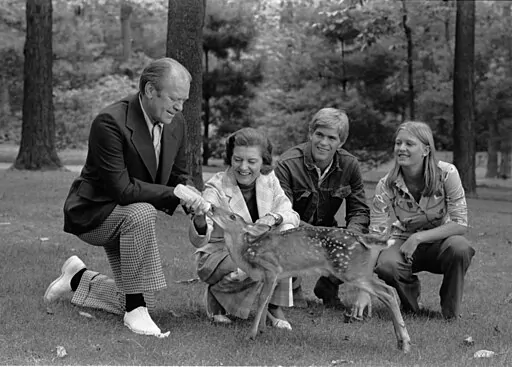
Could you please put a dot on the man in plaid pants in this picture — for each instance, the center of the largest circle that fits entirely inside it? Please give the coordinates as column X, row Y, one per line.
column 136, row 157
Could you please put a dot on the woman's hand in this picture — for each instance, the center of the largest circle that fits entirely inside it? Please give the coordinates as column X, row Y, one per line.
column 409, row 246
column 197, row 206
column 200, row 220
column 267, row 220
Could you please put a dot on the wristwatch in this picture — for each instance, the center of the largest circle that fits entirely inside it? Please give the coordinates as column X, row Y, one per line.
column 278, row 219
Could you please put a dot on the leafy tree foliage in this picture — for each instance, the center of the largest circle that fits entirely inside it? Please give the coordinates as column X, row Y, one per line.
column 230, row 72
column 273, row 64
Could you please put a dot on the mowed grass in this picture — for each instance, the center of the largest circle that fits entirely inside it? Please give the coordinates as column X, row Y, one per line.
column 33, row 248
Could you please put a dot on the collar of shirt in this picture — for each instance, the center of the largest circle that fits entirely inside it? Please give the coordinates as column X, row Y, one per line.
column 400, row 183
column 149, row 122
column 310, row 163
column 321, row 175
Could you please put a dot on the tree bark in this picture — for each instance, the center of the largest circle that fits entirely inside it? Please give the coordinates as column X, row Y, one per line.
column 126, row 29
column 505, row 170
column 506, row 149
column 206, row 132
column 185, row 44
column 37, row 148
column 410, row 61
column 463, row 95
column 492, row 150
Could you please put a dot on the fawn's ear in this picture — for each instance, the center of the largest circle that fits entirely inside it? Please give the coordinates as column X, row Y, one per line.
column 254, row 232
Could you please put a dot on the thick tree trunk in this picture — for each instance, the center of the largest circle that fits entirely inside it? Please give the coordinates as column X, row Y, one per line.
column 185, row 44
column 505, row 170
column 492, row 150
column 206, row 133
column 37, row 148
column 463, row 95
column 506, row 143
column 126, row 29
column 206, row 111
column 410, row 60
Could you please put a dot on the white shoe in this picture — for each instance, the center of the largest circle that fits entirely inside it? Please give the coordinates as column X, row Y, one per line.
column 140, row 322
column 278, row 323
column 62, row 284
column 281, row 324
column 221, row 319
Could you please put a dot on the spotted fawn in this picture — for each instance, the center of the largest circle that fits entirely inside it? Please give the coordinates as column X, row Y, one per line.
column 270, row 255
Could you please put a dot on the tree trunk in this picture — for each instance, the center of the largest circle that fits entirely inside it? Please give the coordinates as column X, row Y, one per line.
column 206, row 132
column 37, row 148
column 506, row 149
column 506, row 143
column 492, row 150
column 343, row 67
column 185, row 44
column 463, row 95
column 410, row 61
column 126, row 29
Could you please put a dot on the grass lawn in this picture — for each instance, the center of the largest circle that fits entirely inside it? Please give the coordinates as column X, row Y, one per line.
column 33, row 248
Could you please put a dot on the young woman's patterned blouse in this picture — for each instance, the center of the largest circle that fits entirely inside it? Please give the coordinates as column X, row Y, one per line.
column 448, row 204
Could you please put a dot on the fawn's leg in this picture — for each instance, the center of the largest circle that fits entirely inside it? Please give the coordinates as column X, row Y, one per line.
column 388, row 296
column 269, row 284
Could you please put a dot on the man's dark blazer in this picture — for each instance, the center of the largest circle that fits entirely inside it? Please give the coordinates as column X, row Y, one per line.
column 120, row 168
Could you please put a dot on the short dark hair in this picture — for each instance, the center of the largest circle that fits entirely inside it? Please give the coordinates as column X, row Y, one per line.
column 249, row 137
column 158, row 69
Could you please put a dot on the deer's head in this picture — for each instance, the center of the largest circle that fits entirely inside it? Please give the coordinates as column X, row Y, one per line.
column 235, row 225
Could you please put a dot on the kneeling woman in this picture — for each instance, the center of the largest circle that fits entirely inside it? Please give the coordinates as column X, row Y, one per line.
column 427, row 199
column 249, row 188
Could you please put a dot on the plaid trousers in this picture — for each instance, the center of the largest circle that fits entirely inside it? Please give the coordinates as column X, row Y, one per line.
column 129, row 240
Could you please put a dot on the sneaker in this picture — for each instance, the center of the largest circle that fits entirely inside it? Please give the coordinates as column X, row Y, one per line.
column 139, row 321
column 221, row 319
column 62, row 285
column 278, row 323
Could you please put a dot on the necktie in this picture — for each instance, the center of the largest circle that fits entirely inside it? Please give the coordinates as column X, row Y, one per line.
column 157, row 137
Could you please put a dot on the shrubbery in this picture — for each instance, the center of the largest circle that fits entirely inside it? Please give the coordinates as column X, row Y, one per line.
column 76, row 108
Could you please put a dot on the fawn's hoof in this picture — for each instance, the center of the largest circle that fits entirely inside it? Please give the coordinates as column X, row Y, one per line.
column 351, row 317
column 404, row 345
column 250, row 336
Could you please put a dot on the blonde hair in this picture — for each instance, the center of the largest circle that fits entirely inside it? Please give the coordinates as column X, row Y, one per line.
column 331, row 118
column 431, row 172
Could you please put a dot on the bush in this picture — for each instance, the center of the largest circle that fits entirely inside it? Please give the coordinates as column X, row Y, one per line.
column 76, row 108
column 10, row 129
